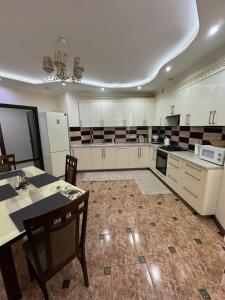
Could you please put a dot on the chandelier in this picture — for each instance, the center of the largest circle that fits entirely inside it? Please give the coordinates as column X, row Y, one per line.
column 56, row 68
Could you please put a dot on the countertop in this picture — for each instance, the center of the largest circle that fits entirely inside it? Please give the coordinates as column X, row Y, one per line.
column 192, row 158
column 103, row 145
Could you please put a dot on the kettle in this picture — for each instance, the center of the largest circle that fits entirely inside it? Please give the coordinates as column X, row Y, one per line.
column 167, row 141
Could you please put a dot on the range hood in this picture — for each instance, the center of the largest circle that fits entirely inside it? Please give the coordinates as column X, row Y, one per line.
column 173, row 120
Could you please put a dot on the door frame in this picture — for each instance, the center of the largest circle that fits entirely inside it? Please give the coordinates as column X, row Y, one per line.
column 35, row 110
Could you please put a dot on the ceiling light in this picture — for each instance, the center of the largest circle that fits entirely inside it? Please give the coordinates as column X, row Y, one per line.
column 168, row 68
column 63, row 83
column 55, row 68
column 139, row 88
column 213, row 30
column 102, row 89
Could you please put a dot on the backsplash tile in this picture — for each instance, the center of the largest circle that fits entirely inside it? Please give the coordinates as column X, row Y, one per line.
column 187, row 136
column 80, row 135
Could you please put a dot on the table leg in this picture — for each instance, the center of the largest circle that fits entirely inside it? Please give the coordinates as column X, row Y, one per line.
column 8, row 271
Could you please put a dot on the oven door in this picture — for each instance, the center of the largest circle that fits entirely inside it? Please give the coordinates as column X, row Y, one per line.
column 161, row 161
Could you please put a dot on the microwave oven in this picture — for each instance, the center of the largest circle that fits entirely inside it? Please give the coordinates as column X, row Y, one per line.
column 212, row 154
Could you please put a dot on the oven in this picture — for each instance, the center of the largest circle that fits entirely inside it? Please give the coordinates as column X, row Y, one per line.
column 161, row 161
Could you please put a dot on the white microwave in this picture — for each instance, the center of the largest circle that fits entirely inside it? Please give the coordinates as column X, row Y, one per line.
column 212, row 154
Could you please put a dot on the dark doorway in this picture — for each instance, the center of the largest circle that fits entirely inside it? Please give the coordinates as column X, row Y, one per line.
column 19, row 134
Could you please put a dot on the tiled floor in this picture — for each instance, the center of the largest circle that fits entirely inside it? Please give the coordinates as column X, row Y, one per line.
column 138, row 247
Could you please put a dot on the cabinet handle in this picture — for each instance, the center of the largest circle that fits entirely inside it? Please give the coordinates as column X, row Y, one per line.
column 172, row 178
column 173, row 165
column 104, row 153
column 140, row 152
column 190, row 192
column 193, row 168
column 213, row 121
column 210, row 115
column 193, row 176
column 186, row 122
column 171, row 157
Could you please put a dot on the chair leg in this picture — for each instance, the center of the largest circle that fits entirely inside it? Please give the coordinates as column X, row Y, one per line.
column 82, row 261
column 30, row 270
column 43, row 288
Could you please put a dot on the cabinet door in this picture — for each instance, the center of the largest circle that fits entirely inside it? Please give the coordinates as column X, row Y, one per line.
column 122, row 158
column 144, row 157
column 134, row 154
column 202, row 102
column 130, row 111
column 84, row 114
column 97, row 155
column 95, row 113
column 218, row 113
column 184, row 104
column 119, row 113
column 149, row 113
column 84, row 158
column 109, row 158
column 140, row 113
column 158, row 106
column 108, row 113
column 152, row 153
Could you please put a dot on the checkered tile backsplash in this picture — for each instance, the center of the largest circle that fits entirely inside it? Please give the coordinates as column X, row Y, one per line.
column 80, row 135
column 187, row 136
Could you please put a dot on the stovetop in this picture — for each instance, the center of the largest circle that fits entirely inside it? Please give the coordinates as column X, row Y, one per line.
column 173, row 148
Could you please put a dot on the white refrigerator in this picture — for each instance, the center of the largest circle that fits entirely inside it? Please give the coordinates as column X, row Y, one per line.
column 54, row 133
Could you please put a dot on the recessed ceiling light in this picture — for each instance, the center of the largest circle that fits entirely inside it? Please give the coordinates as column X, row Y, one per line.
column 63, row 83
column 102, row 89
column 168, row 68
column 213, row 30
column 139, row 88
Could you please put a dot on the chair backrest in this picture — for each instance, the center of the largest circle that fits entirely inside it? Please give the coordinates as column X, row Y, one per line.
column 6, row 161
column 71, row 169
column 57, row 237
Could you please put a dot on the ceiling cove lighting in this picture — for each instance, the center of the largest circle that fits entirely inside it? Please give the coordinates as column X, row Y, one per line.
column 168, row 69
column 187, row 39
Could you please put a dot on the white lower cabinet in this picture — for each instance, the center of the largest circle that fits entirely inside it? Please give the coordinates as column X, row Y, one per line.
column 84, row 158
column 109, row 161
column 97, row 158
column 139, row 157
column 122, row 157
column 152, row 157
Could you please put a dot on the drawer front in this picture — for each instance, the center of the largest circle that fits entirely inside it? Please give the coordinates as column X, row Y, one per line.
column 195, row 201
column 193, row 184
column 195, row 170
column 173, row 183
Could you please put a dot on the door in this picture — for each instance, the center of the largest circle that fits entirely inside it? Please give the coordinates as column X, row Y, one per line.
column 95, row 114
column 144, row 157
column 109, row 160
column 134, row 154
column 84, row 114
column 108, row 113
column 122, row 158
column 218, row 112
column 97, row 155
column 119, row 113
column 203, row 95
column 35, row 139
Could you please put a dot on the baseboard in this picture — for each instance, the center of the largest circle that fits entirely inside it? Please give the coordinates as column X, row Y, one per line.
column 219, row 225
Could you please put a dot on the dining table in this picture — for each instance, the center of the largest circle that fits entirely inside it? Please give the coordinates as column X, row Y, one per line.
column 42, row 193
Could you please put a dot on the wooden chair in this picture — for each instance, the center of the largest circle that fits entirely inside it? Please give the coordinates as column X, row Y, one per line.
column 54, row 239
column 71, row 169
column 6, row 163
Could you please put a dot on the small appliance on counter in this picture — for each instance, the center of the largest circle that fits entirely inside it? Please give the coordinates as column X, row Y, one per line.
column 212, row 154
column 197, row 149
column 155, row 139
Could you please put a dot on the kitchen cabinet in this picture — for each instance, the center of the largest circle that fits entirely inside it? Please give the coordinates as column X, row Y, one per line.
column 109, row 161
column 139, row 157
column 84, row 158
column 122, row 157
column 119, row 113
column 95, row 113
column 130, row 113
column 202, row 100
column 152, row 156
column 84, row 114
column 108, row 110
column 218, row 117
column 97, row 156
column 184, row 96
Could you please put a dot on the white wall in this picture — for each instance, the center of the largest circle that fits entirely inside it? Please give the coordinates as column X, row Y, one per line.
column 16, row 133
column 21, row 96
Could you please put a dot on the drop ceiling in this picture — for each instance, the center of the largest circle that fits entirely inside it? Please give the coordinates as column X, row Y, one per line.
column 122, row 44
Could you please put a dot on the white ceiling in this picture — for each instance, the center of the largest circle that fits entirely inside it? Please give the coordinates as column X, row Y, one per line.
column 121, row 43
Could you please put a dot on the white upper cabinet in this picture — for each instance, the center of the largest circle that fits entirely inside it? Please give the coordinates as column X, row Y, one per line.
column 203, row 95
column 95, row 111
column 130, row 112
column 219, row 107
column 119, row 113
column 183, row 101
column 84, row 114
column 108, row 113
